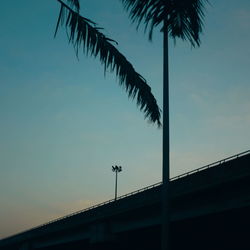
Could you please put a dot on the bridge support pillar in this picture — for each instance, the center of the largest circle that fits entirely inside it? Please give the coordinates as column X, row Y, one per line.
column 25, row 246
column 101, row 232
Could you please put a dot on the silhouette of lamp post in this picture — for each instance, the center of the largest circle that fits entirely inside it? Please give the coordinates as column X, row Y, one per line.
column 116, row 169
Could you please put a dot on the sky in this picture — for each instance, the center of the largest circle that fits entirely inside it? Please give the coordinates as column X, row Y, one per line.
column 64, row 124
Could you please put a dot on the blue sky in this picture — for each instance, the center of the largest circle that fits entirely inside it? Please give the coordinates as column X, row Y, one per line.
column 63, row 124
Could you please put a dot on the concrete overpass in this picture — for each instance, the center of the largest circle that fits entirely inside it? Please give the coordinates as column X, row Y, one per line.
column 210, row 209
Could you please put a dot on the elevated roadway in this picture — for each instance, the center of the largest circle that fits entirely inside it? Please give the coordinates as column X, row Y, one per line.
column 210, row 209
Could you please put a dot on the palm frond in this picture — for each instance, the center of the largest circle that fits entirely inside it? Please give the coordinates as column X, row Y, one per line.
column 184, row 17
column 75, row 4
column 83, row 33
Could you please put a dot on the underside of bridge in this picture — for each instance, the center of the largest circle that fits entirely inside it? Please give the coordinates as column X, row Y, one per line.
column 222, row 231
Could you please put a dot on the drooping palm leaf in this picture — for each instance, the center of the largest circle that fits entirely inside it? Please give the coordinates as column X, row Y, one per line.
column 184, row 17
column 84, row 34
column 75, row 4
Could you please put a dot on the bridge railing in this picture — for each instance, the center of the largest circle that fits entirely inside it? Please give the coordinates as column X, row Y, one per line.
column 98, row 205
column 214, row 164
column 217, row 163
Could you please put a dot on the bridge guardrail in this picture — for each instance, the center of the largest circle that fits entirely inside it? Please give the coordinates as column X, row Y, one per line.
column 217, row 163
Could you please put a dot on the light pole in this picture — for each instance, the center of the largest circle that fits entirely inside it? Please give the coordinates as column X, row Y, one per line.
column 116, row 169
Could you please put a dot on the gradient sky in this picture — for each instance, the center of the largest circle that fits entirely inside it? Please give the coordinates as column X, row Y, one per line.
column 63, row 124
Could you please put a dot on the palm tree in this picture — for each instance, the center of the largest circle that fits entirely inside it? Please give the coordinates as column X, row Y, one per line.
column 84, row 34
column 179, row 19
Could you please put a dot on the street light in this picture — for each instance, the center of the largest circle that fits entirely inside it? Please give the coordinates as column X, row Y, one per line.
column 116, row 169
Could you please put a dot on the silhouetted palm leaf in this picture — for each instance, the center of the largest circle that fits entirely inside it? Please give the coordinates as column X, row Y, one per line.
column 184, row 17
column 84, row 34
column 75, row 4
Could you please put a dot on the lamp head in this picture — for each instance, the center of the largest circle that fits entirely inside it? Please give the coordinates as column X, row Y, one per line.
column 116, row 168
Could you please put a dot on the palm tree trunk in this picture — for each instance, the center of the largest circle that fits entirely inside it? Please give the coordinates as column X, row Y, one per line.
column 165, row 150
